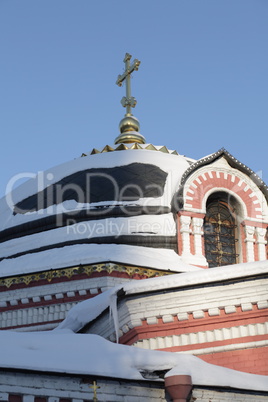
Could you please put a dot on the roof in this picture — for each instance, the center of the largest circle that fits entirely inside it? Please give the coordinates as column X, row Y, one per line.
column 99, row 185
column 109, row 198
column 86, row 311
column 64, row 352
column 156, row 172
column 74, row 255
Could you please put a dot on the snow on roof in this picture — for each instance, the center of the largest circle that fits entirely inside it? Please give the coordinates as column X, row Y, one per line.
column 203, row 276
column 174, row 165
column 88, row 310
column 69, row 256
column 149, row 225
column 66, row 352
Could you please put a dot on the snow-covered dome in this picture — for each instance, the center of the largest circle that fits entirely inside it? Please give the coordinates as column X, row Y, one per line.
column 118, row 198
column 97, row 184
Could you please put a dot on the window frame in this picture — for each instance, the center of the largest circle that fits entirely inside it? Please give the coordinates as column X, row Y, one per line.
column 225, row 206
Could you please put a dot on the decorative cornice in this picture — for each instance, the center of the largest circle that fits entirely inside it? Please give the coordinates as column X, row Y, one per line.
column 81, row 270
column 206, row 338
column 125, row 147
column 235, row 163
column 197, row 326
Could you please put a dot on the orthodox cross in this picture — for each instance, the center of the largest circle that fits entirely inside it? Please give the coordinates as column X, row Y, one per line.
column 94, row 387
column 128, row 101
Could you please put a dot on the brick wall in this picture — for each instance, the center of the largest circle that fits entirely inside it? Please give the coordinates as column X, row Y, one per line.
column 214, row 395
column 253, row 361
column 32, row 387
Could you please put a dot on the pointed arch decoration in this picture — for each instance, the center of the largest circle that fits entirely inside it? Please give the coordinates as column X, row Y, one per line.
column 221, row 173
column 204, row 184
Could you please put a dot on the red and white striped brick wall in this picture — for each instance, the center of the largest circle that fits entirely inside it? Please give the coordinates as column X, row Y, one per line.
column 252, row 219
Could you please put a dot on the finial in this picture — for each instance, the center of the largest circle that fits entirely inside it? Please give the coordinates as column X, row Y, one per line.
column 129, row 126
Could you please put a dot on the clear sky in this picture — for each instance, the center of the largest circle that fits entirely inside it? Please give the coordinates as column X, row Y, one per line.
column 202, row 82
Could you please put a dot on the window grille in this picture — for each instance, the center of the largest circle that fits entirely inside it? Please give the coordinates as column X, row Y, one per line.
column 220, row 234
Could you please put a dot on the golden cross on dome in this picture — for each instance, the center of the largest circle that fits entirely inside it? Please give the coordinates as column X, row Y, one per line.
column 128, row 101
column 94, row 387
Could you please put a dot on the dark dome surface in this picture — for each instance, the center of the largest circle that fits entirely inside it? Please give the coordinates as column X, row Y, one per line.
column 120, row 183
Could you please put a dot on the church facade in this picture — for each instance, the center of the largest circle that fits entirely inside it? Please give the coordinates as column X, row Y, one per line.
column 178, row 245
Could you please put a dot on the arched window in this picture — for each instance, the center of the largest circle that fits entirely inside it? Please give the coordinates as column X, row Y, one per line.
column 220, row 231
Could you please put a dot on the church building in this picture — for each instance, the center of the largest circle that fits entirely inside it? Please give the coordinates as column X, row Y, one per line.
column 134, row 273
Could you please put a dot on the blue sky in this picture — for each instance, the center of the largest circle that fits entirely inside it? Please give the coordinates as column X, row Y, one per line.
column 202, row 82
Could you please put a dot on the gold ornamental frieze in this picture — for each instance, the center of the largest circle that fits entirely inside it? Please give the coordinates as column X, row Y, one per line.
column 81, row 270
column 125, row 147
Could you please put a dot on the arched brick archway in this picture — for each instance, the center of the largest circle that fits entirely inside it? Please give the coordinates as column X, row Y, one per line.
column 251, row 213
column 201, row 186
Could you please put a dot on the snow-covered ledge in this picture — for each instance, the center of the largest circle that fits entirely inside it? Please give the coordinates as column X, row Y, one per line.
column 63, row 351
